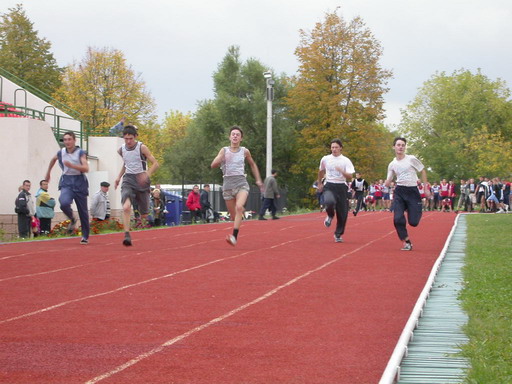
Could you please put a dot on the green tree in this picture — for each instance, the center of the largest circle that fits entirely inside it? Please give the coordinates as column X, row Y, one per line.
column 160, row 137
column 26, row 55
column 449, row 113
column 338, row 92
column 240, row 99
column 103, row 88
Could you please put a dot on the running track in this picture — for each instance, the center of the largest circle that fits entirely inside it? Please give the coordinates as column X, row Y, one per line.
column 286, row 305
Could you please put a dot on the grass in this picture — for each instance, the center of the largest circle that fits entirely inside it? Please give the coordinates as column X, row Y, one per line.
column 487, row 298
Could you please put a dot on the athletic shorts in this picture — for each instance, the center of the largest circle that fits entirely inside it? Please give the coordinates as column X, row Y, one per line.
column 137, row 189
column 230, row 194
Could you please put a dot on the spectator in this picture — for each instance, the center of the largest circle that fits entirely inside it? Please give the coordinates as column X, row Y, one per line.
column 25, row 208
column 471, row 189
column 506, row 195
column 117, row 130
column 100, row 205
column 194, row 203
column 157, row 208
column 360, row 188
column 45, row 206
column 270, row 195
column 319, row 193
column 451, row 193
column 206, row 207
column 436, row 196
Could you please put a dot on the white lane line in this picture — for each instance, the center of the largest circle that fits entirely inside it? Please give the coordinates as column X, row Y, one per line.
column 50, row 308
column 170, row 342
column 129, row 255
column 44, row 252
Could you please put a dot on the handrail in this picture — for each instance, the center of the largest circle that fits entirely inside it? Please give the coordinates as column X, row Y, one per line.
column 54, row 114
column 40, row 94
column 24, row 92
column 35, row 114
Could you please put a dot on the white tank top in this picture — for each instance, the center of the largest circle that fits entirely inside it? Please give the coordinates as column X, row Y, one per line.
column 134, row 160
column 74, row 158
column 234, row 162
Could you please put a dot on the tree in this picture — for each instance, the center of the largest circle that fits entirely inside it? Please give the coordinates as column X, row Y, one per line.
column 161, row 137
column 103, row 89
column 239, row 100
column 26, row 55
column 338, row 93
column 446, row 116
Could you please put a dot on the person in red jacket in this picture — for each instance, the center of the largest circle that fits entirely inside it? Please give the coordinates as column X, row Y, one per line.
column 194, row 203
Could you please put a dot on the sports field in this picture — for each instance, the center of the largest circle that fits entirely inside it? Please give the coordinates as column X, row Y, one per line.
column 286, row 305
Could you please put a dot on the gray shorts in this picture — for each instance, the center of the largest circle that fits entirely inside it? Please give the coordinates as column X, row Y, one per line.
column 230, row 194
column 137, row 189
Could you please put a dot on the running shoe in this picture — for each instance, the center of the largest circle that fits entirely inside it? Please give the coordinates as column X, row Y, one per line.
column 71, row 226
column 84, row 241
column 407, row 247
column 354, row 213
column 327, row 222
column 127, row 239
column 338, row 239
column 231, row 240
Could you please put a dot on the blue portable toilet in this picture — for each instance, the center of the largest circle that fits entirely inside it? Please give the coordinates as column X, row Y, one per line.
column 173, row 207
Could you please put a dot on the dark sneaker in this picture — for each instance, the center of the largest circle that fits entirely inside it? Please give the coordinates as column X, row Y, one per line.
column 71, row 226
column 231, row 240
column 127, row 240
column 407, row 247
column 84, row 241
column 354, row 213
column 261, row 218
column 338, row 239
column 275, row 218
column 327, row 222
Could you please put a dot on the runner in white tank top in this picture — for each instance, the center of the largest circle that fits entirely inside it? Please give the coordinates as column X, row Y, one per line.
column 136, row 179
column 235, row 189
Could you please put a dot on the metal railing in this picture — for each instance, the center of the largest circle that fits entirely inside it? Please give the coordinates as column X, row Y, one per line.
column 54, row 119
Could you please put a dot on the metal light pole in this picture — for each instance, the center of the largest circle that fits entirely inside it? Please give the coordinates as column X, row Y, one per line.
column 270, row 97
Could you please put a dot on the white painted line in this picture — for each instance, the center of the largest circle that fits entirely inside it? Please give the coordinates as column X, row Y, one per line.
column 50, row 308
column 170, row 342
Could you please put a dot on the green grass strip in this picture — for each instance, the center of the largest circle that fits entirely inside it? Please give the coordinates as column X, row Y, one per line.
column 487, row 298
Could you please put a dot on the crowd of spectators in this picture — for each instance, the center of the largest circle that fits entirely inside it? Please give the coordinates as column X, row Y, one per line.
column 483, row 195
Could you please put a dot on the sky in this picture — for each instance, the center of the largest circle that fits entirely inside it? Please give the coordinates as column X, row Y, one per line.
column 177, row 45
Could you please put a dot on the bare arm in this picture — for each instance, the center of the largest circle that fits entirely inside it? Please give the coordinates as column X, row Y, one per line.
column 347, row 175
column 320, row 185
column 216, row 163
column 154, row 164
column 254, row 168
column 118, row 180
column 425, row 182
column 50, row 166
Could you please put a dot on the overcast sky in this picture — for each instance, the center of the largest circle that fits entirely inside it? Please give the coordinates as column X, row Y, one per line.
column 177, row 44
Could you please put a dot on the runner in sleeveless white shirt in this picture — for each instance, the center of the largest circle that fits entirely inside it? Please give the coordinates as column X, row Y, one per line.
column 136, row 178
column 406, row 195
column 337, row 169
column 235, row 189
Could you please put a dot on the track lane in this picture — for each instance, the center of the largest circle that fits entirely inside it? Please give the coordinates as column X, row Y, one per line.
column 118, row 326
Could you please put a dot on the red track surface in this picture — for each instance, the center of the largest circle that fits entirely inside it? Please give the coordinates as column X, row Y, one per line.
column 286, row 305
